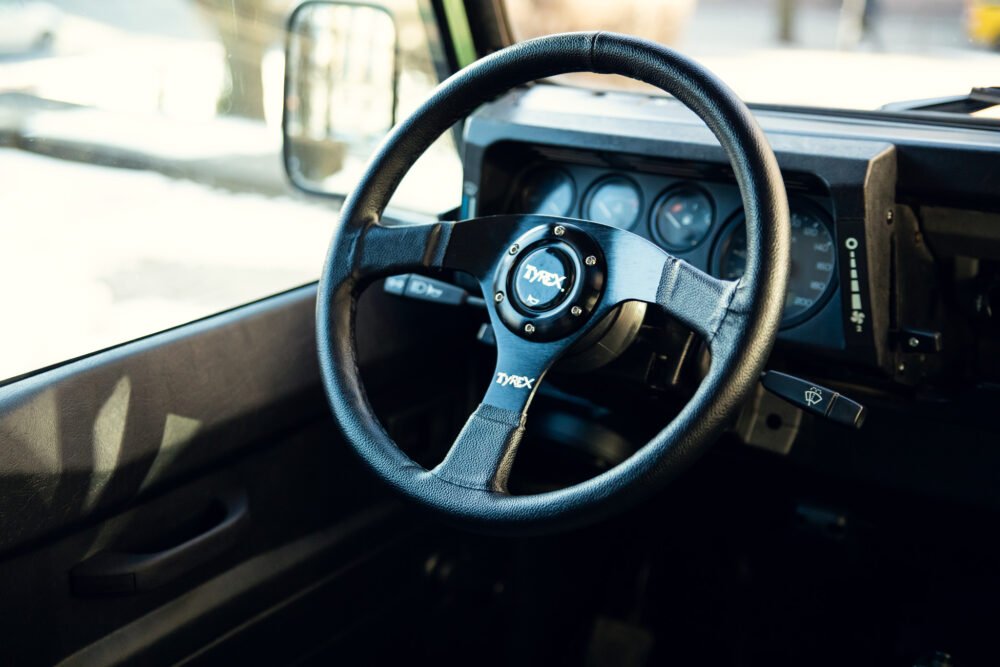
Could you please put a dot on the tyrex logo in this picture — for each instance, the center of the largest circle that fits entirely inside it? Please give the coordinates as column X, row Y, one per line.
column 516, row 381
column 535, row 275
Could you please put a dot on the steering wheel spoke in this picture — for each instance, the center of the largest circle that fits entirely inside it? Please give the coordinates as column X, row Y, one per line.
column 470, row 245
column 483, row 453
column 383, row 250
column 642, row 271
column 701, row 301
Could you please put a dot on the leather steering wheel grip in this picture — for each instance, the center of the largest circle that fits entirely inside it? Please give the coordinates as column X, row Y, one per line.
column 738, row 354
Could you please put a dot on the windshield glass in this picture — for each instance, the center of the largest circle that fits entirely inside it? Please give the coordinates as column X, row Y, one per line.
column 848, row 54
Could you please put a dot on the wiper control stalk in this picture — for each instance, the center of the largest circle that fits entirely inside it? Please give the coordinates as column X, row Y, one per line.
column 813, row 398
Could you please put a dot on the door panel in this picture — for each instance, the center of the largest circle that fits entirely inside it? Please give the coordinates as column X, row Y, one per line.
column 135, row 454
column 88, row 435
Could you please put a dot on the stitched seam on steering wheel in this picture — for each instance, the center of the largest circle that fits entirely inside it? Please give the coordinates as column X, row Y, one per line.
column 501, row 416
column 480, row 415
column 449, row 480
column 513, row 436
column 727, row 309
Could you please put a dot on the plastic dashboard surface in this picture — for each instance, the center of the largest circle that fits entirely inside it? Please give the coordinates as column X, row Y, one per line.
column 695, row 215
column 660, row 175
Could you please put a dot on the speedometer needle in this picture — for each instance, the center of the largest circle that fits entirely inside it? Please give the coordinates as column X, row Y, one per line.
column 673, row 219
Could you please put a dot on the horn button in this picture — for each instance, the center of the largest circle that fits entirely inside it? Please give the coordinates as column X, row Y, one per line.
column 543, row 279
column 552, row 278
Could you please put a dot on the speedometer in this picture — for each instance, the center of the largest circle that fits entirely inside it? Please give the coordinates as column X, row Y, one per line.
column 813, row 261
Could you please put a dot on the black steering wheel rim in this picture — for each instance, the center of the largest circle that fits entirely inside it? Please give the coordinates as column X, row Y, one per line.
column 743, row 322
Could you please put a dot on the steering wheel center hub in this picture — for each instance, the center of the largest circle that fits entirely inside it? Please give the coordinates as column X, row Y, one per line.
column 543, row 279
column 553, row 279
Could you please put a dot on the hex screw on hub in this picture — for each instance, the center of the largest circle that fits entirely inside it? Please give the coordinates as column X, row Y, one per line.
column 559, row 230
column 529, row 328
column 590, row 261
column 498, row 297
column 513, row 249
column 576, row 311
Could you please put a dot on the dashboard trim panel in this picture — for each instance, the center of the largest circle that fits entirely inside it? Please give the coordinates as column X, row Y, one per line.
column 852, row 180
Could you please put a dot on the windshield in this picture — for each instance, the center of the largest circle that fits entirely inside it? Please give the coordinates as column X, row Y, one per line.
column 848, row 54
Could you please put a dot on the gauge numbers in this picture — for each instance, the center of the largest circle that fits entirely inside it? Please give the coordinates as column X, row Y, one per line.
column 813, row 261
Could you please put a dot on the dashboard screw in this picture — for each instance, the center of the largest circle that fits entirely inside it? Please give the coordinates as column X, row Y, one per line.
column 559, row 230
column 498, row 297
column 529, row 328
column 513, row 249
column 914, row 341
column 590, row 261
column 576, row 311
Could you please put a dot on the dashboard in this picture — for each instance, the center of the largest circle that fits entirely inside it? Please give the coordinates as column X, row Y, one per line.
column 691, row 206
column 895, row 226
column 701, row 222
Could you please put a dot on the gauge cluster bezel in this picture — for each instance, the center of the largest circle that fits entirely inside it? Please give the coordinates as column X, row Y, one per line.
column 853, row 175
column 656, row 181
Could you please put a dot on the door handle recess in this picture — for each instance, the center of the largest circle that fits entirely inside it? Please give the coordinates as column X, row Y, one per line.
column 115, row 572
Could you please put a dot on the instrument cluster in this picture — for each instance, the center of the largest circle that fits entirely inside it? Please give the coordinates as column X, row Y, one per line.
column 698, row 221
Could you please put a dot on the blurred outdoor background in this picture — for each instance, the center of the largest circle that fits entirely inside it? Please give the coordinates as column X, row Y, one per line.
column 852, row 54
column 142, row 184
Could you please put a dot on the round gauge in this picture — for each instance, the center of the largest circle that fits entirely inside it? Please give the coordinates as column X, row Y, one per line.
column 813, row 261
column 682, row 218
column 547, row 191
column 614, row 201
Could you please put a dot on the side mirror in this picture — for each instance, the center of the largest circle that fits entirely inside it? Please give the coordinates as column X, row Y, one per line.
column 341, row 81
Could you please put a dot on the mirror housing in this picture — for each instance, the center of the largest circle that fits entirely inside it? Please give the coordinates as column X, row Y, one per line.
column 341, row 90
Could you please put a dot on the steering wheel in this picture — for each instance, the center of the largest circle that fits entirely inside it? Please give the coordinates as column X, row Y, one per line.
column 547, row 281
